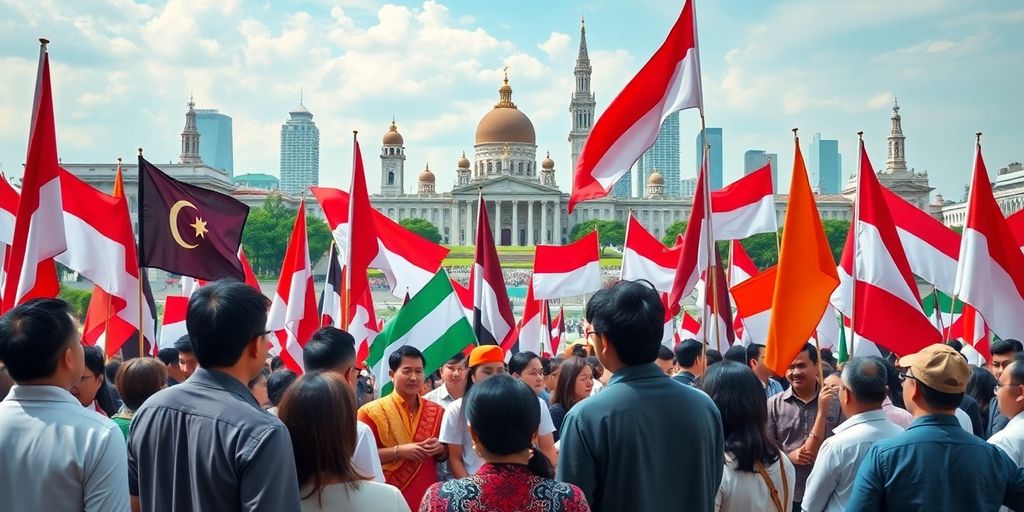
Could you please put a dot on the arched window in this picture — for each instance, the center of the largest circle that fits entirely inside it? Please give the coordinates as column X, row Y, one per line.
column 490, row 168
column 391, row 178
column 520, row 168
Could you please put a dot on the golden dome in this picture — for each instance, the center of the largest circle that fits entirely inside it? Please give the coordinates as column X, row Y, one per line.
column 392, row 137
column 655, row 179
column 464, row 162
column 505, row 123
column 426, row 176
column 548, row 163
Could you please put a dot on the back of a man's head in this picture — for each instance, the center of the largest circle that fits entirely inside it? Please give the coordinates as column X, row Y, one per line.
column 630, row 316
column 736, row 353
column 223, row 318
column 865, row 379
column 687, row 352
column 34, row 336
column 329, row 349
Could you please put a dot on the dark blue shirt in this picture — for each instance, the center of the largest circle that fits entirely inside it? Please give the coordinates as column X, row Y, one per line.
column 935, row 465
column 685, row 377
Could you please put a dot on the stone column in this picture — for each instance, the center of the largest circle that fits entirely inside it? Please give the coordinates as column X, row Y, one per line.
column 544, row 222
column 515, row 223
column 497, row 223
column 469, row 223
column 529, row 224
column 453, row 224
column 558, row 222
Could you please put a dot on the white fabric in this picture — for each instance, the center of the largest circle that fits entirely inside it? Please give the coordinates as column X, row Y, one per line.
column 365, row 459
column 830, row 483
column 59, row 455
column 636, row 266
column 455, row 430
column 579, row 281
column 743, row 491
column 746, row 220
column 965, row 420
column 440, row 396
column 373, row 496
column 983, row 283
column 1011, row 439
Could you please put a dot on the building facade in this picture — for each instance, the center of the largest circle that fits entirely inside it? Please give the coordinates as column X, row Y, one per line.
column 661, row 157
column 714, row 155
column 825, row 165
column 300, row 151
column 1008, row 189
column 217, row 149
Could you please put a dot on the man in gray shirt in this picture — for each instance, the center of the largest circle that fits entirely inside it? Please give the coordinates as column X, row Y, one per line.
column 206, row 444
column 645, row 442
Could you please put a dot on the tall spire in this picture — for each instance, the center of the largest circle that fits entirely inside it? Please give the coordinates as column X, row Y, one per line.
column 583, row 58
column 582, row 104
column 190, row 136
column 896, row 162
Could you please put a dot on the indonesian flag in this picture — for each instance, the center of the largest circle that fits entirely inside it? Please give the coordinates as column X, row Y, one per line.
column 719, row 332
column 329, row 306
column 8, row 212
column 363, row 326
column 668, row 83
column 1016, row 223
column 31, row 272
column 173, row 325
column 746, row 207
column 990, row 275
column 932, row 249
column 532, row 327
column 753, row 298
column 975, row 332
column 645, row 257
column 558, row 331
column 689, row 328
column 493, row 321
column 884, row 303
column 694, row 256
column 567, row 270
column 741, row 268
column 293, row 316
column 668, row 334
column 101, row 247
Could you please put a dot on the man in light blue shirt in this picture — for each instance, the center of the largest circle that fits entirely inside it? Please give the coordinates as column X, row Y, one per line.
column 57, row 454
column 755, row 360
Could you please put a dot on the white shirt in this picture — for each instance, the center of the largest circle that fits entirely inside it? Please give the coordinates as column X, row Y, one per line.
column 440, row 395
column 368, row 497
column 745, row 491
column 365, row 459
column 58, row 455
column 831, row 480
column 1011, row 439
column 965, row 420
column 455, row 430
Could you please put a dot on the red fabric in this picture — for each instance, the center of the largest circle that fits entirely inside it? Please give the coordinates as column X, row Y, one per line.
column 504, row 488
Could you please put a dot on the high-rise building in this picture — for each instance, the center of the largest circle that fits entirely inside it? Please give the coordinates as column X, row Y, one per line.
column 715, row 169
column 583, row 104
column 826, row 169
column 300, row 151
column 688, row 187
column 663, row 157
column 215, row 130
column 755, row 159
column 623, row 188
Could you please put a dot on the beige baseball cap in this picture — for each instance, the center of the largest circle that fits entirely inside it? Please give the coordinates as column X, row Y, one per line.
column 939, row 367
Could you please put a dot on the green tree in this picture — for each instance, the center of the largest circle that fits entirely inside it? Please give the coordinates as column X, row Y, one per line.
column 836, row 231
column 78, row 300
column 268, row 229
column 609, row 232
column 422, row 227
column 675, row 229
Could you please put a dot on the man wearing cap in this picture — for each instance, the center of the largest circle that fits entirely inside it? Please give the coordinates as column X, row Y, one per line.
column 912, row 471
column 484, row 361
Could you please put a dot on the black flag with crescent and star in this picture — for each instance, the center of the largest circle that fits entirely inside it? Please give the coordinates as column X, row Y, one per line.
column 188, row 230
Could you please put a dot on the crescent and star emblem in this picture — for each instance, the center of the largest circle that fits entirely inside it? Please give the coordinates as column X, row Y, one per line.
column 199, row 225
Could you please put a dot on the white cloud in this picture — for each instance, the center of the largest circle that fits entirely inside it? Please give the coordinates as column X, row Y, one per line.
column 880, row 100
column 556, row 44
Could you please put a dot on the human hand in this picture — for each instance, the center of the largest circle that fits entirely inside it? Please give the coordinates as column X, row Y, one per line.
column 431, row 446
column 826, row 397
column 412, row 451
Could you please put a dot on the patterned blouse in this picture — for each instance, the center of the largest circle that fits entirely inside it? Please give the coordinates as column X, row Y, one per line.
column 504, row 488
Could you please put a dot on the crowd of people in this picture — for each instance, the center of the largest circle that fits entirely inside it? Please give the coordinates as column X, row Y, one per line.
column 618, row 422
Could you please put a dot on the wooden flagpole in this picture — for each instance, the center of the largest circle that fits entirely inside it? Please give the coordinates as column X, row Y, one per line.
column 710, row 237
column 346, row 299
column 853, row 263
column 142, row 273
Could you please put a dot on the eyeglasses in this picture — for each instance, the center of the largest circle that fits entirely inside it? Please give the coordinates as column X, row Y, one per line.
column 586, row 334
column 904, row 374
column 87, row 377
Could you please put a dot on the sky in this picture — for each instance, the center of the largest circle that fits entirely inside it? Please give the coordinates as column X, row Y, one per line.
column 123, row 71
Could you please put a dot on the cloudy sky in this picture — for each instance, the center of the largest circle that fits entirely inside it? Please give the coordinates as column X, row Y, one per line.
column 123, row 70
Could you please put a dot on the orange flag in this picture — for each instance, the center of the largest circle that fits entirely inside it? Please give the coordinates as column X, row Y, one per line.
column 806, row 274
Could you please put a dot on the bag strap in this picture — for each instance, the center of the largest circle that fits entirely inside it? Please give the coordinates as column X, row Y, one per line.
column 779, row 505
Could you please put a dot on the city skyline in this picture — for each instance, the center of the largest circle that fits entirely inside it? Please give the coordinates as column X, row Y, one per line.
column 435, row 67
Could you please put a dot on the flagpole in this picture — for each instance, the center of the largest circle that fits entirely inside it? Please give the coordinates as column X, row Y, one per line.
column 710, row 232
column 817, row 344
column 938, row 309
column 852, row 348
column 346, row 299
column 948, row 331
column 142, row 274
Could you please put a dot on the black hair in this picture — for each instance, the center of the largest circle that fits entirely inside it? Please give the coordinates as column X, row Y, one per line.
column 276, row 363
column 1005, row 346
column 865, row 378
column 277, row 383
column 223, row 318
column 578, row 350
column 595, row 366
column 1017, row 375
column 168, row 355
column 457, row 358
column 982, row 384
column 110, row 370
column 34, row 336
column 812, row 353
column 737, row 353
column 545, row 366
column 395, row 359
column 753, row 353
column 327, row 349
column 665, row 353
column 520, row 360
column 713, row 356
column 554, row 364
column 738, row 393
column 938, row 399
column 828, row 358
column 687, row 352
column 630, row 316
column 504, row 414
column 184, row 345
column 954, row 344
column 94, row 362
column 892, row 380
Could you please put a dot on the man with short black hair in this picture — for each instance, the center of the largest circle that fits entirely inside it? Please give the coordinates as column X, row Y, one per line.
column 666, row 360
column 57, row 454
column 169, row 357
column 755, row 360
column 911, row 471
column 861, row 394
column 691, row 360
column 206, row 444
column 1003, row 352
column 453, row 374
column 186, row 356
column 622, row 446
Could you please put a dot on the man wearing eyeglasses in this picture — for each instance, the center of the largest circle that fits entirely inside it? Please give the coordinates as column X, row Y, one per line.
column 935, row 465
column 1010, row 395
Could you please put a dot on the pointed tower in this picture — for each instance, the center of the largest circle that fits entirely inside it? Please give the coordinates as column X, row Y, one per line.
column 897, row 159
column 392, row 162
column 190, row 137
column 583, row 104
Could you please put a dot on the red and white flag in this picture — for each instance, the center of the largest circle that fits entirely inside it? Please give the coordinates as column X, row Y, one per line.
column 1016, row 223
column 645, row 257
column 173, row 325
column 668, row 83
column 719, row 333
column 8, row 213
column 689, row 328
column 363, row 326
column 31, row 272
column 753, row 298
column 558, row 331
column 493, row 321
column 567, row 270
column 741, row 268
column 694, row 256
column 932, row 249
column 990, row 275
column 745, row 207
column 330, row 298
column 532, row 328
column 293, row 316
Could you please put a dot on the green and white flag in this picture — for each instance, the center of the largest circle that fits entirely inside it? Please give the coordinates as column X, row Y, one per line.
column 432, row 321
column 947, row 313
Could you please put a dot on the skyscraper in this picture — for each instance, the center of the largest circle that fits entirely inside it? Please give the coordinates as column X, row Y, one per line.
column 715, row 169
column 688, row 187
column 755, row 159
column 300, row 151
column 826, row 169
column 215, row 131
column 623, row 188
column 582, row 105
column 663, row 157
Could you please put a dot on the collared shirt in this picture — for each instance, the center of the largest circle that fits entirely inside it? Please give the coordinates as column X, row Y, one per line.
column 1011, row 439
column 790, row 421
column 365, row 459
column 901, row 417
column 912, row 471
column 645, row 443
column 996, row 420
column 58, row 455
column 685, row 377
column 772, row 388
column 206, row 444
column 455, row 430
column 831, row 481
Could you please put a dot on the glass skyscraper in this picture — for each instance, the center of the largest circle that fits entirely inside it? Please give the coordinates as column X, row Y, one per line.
column 826, row 166
column 755, row 159
column 300, row 151
column 715, row 170
column 216, row 147
column 621, row 189
column 663, row 157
